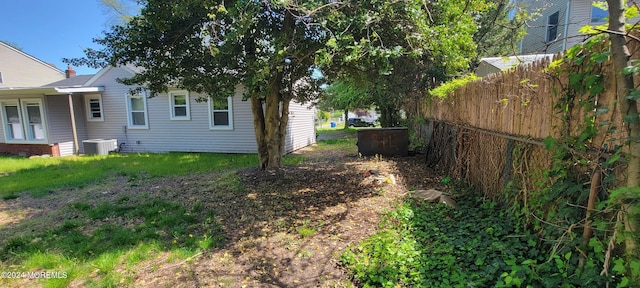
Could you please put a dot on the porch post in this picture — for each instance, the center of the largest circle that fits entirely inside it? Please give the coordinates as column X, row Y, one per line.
column 73, row 124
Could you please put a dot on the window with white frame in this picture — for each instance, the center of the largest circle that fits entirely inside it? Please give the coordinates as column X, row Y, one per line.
column 220, row 114
column 23, row 121
column 94, row 107
column 598, row 13
column 1, row 78
column 552, row 26
column 137, row 111
column 179, row 105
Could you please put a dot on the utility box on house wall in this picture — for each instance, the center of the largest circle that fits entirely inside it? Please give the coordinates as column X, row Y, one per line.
column 99, row 146
column 392, row 141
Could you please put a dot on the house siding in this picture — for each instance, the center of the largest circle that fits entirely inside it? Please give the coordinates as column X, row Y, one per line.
column 579, row 16
column 535, row 40
column 59, row 119
column 301, row 130
column 21, row 70
column 194, row 135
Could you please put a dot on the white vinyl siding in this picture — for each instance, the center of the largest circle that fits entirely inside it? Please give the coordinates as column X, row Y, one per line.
column 179, row 105
column 137, row 111
column 301, row 130
column 59, row 122
column 94, row 107
column 221, row 114
column 24, row 121
column 22, row 70
column 166, row 135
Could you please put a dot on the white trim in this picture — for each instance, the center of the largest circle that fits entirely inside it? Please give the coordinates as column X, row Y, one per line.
column 212, row 111
column 172, row 103
column 130, row 125
column 22, row 105
column 80, row 89
column 87, row 101
column 97, row 76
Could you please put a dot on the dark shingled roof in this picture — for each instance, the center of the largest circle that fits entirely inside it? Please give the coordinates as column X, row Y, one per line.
column 76, row 81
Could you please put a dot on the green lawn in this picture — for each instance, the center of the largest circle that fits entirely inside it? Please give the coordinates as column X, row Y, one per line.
column 102, row 241
column 40, row 176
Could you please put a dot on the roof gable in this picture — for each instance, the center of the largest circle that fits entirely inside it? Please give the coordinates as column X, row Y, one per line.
column 25, row 55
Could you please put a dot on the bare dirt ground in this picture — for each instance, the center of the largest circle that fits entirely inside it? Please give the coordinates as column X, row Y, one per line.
column 284, row 228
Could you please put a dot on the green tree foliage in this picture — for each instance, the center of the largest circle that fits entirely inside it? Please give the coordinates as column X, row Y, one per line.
column 271, row 48
column 500, row 28
column 210, row 47
column 395, row 50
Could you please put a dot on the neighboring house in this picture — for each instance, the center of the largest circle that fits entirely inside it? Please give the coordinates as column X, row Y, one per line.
column 19, row 69
column 556, row 28
column 492, row 65
column 56, row 118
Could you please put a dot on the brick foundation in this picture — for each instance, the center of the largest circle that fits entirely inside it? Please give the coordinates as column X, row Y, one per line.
column 30, row 149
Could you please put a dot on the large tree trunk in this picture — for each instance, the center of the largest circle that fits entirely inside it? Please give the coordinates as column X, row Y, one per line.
column 270, row 122
column 624, row 83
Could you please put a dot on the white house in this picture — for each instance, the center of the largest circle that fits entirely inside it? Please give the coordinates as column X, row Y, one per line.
column 56, row 118
column 19, row 69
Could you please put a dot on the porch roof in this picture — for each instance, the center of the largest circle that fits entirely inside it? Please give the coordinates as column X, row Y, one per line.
column 48, row 90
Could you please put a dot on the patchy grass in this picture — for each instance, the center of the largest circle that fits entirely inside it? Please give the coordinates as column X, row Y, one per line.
column 206, row 228
column 41, row 176
column 104, row 243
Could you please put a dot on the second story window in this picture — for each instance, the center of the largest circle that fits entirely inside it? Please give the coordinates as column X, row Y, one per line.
column 552, row 26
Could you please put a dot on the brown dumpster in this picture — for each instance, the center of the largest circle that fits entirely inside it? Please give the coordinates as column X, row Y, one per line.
column 392, row 141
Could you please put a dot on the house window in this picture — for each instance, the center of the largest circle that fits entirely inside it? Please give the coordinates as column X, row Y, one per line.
column 179, row 105
column 23, row 121
column 1, row 78
column 137, row 111
column 598, row 14
column 552, row 26
column 220, row 114
column 94, row 107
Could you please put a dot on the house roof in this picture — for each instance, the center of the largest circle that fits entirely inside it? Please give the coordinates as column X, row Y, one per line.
column 77, row 81
column 504, row 63
column 76, row 84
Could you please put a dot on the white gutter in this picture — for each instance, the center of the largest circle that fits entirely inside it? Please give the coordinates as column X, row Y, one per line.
column 79, row 89
column 49, row 90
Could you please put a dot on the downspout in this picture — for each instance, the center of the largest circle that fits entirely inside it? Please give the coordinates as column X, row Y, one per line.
column 73, row 125
column 566, row 26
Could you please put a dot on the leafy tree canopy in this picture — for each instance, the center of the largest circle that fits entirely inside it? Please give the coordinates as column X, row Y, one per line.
column 272, row 48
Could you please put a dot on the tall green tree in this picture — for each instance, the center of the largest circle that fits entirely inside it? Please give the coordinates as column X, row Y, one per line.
column 210, row 47
column 396, row 49
column 272, row 47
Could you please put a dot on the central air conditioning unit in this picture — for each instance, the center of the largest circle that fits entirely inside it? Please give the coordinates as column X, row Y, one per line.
column 99, row 146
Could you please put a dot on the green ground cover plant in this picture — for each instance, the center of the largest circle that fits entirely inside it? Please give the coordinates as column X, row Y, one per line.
column 475, row 244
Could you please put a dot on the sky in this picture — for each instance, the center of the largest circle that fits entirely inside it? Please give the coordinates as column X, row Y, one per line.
column 54, row 29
